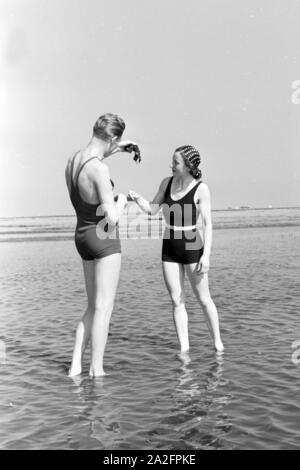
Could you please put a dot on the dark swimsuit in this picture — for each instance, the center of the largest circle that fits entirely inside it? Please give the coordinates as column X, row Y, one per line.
column 92, row 233
column 181, row 246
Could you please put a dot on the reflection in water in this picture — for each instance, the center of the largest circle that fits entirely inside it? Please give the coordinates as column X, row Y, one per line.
column 195, row 418
column 188, row 381
column 198, row 415
column 97, row 406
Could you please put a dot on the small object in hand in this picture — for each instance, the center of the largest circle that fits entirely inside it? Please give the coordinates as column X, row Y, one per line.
column 134, row 148
column 133, row 196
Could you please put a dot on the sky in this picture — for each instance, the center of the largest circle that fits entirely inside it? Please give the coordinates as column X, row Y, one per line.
column 216, row 74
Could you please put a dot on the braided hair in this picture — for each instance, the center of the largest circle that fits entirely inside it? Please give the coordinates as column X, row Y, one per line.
column 191, row 158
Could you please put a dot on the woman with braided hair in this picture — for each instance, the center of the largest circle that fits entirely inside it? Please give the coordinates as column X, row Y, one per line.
column 183, row 198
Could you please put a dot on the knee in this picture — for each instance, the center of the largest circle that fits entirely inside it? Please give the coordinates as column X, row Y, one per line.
column 204, row 300
column 90, row 309
column 177, row 300
column 103, row 306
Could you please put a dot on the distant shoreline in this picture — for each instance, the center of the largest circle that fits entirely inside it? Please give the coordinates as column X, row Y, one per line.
column 231, row 209
column 69, row 235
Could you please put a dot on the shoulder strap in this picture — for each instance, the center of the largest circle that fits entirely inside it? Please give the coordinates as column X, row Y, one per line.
column 76, row 183
column 194, row 189
column 168, row 188
column 72, row 169
column 196, row 186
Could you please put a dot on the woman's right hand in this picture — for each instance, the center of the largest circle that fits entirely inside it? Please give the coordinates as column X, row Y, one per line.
column 132, row 196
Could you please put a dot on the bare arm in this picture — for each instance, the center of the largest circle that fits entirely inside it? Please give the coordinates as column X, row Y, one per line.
column 152, row 207
column 68, row 175
column 204, row 206
column 112, row 210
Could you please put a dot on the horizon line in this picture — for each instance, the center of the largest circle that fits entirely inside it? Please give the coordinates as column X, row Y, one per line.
column 233, row 209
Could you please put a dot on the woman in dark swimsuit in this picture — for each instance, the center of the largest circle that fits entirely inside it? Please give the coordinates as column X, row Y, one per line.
column 90, row 190
column 184, row 197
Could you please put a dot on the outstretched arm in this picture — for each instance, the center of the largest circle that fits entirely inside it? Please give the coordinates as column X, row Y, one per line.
column 120, row 146
column 152, row 207
column 204, row 206
column 128, row 146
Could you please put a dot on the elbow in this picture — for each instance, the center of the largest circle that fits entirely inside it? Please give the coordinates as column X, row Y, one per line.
column 111, row 217
column 154, row 208
column 111, row 220
column 109, row 212
column 207, row 225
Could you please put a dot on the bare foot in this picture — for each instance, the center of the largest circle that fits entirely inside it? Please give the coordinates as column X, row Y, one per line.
column 219, row 347
column 184, row 356
column 96, row 373
column 74, row 371
column 77, row 379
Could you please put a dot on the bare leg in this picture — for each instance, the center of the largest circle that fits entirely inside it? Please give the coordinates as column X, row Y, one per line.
column 107, row 272
column 174, row 279
column 199, row 283
column 84, row 327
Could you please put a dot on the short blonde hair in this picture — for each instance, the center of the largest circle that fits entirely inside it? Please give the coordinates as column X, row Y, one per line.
column 109, row 125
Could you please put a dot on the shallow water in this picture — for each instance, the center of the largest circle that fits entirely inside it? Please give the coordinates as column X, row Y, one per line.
column 151, row 399
column 134, row 224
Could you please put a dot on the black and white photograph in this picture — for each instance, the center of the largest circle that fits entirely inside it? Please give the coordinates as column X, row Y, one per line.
column 149, row 227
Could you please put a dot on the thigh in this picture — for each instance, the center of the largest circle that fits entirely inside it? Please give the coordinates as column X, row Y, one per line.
column 98, row 247
column 106, row 272
column 174, row 279
column 89, row 277
column 199, row 282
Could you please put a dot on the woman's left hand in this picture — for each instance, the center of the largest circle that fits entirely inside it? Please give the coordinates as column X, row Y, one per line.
column 203, row 265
